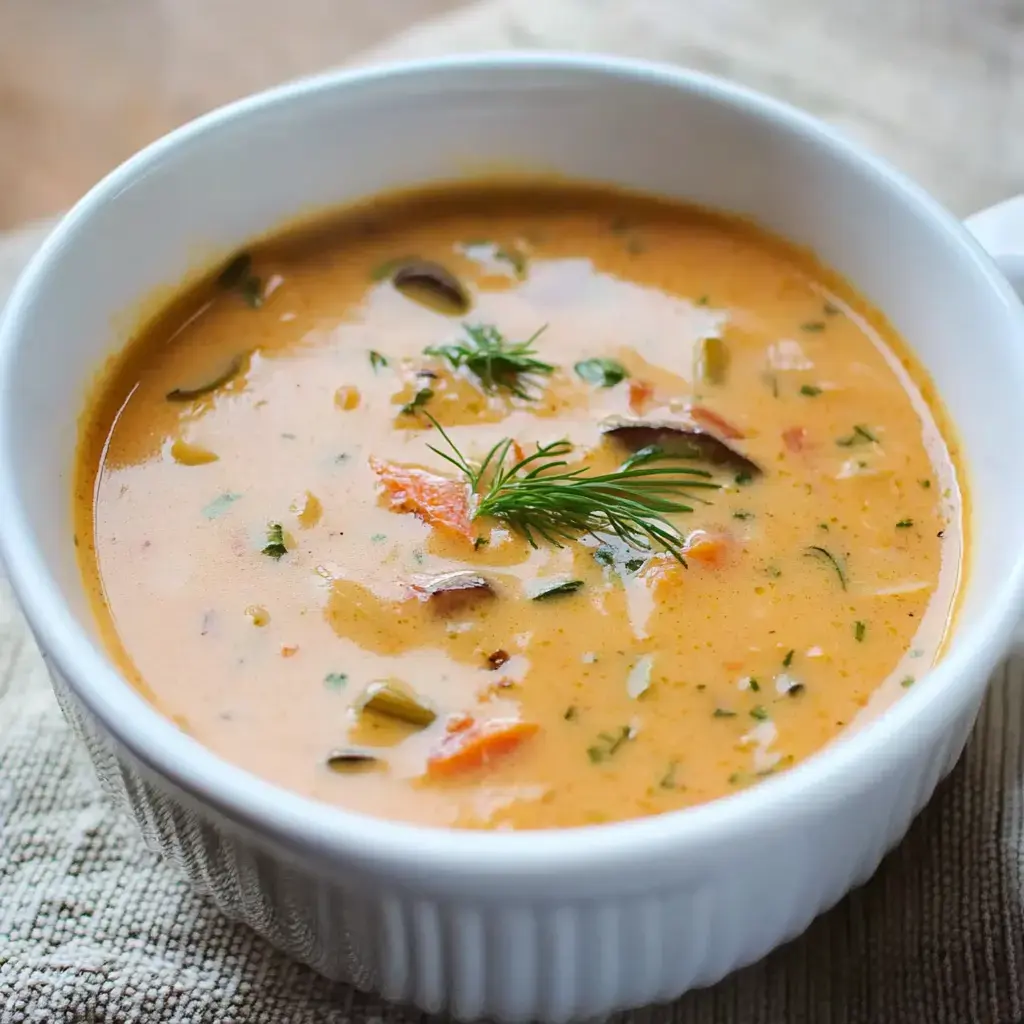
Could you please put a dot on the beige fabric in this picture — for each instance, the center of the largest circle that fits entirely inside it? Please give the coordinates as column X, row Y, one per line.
column 94, row 928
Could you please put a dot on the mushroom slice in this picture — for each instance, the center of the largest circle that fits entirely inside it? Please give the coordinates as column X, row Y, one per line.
column 682, row 440
column 432, row 284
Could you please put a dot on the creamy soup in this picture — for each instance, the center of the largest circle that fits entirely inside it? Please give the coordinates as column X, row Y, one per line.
column 519, row 507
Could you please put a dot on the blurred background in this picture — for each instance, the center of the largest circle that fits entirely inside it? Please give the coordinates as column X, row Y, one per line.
column 937, row 86
column 84, row 83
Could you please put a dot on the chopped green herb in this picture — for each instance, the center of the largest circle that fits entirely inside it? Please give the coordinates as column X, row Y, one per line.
column 543, row 589
column 744, row 478
column 536, row 495
column 608, row 744
column 735, row 779
column 419, row 400
column 823, row 526
column 830, row 310
column 816, row 551
column 743, row 515
column 860, row 435
column 668, row 780
column 773, row 571
column 925, row 483
column 759, row 713
column 703, row 300
column 904, row 524
column 378, row 537
column 859, row 629
column 479, row 542
column 634, row 564
column 604, row 555
column 906, row 682
column 810, row 390
column 275, row 541
column 570, row 713
column 917, row 653
column 723, row 713
column 335, row 680
column 514, row 258
column 494, row 360
column 602, row 373
column 377, row 361
column 755, row 686
column 788, row 659
column 813, row 326
column 220, row 505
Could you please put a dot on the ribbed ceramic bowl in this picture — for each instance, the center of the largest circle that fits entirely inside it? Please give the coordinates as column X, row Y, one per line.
column 561, row 924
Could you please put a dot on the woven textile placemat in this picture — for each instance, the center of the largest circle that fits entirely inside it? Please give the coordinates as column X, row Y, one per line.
column 94, row 927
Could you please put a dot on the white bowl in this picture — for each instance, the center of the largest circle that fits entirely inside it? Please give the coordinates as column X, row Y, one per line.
column 561, row 924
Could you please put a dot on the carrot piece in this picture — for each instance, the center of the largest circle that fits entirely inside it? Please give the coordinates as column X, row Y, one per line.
column 710, row 420
column 477, row 746
column 640, row 393
column 663, row 576
column 435, row 499
column 708, row 548
column 795, row 439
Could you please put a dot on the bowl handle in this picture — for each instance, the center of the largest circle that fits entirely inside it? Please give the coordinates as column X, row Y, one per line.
column 1000, row 229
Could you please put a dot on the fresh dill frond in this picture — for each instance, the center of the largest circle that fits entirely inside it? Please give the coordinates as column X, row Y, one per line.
column 494, row 360
column 538, row 496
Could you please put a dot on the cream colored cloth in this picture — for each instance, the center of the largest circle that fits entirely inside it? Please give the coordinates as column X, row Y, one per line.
column 93, row 927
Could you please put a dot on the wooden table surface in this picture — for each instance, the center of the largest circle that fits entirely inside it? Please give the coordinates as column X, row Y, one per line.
column 937, row 86
column 84, row 83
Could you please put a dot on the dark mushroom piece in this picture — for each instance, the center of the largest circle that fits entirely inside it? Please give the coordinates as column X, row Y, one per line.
column 433, row 285
column 219, row 379
column 452, row 591
column 348, row 759
column 684, row 440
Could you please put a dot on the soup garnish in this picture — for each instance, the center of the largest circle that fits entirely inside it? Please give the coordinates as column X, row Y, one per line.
column 519, row 507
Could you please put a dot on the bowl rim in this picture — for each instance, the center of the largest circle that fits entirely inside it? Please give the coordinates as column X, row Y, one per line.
column 823, row 781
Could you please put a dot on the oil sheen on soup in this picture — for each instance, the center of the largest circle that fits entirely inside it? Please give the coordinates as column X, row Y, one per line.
column 519, row 507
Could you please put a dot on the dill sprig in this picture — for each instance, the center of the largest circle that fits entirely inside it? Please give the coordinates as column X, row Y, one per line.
column 494, row 360
column 537, row 496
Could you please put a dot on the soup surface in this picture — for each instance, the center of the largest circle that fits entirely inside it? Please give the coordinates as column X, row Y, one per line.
column 294, row 552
